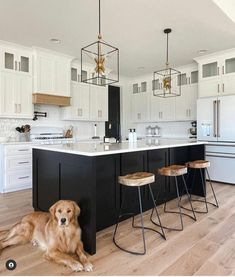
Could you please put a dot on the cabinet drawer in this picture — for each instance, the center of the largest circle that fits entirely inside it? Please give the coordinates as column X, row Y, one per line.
column 19, row 162
column 17, row 180
column 18, row 150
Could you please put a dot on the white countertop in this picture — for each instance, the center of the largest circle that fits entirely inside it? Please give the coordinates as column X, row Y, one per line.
column 99, row 149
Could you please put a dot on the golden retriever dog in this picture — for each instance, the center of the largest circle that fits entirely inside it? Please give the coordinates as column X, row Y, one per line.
column 57, row 233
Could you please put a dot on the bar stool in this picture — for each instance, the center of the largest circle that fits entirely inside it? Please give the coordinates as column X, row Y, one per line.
column 199, row 165
column 138, row 180
column 176, row 171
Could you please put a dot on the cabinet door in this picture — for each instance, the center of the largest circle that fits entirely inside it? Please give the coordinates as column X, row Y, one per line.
column 191, row 101
column 226, row 118
column 206, row 119
column 24, row 63
column 181, row 105
column 80, row 101
column 8, row 98
column 24, row 96
column 228, row 84
column 140, row 107
column 62, row 80
column 208, row 88
column 98, row 103
column 9, row 60
column 45, row 75
column 155, row 108
column 167, row 109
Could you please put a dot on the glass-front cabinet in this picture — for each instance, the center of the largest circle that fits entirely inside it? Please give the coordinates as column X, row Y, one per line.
column 18, row 61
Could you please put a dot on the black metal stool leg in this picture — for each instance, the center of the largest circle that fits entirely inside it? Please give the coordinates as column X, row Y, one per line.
column 216, row 202
column 142, row 227
column 155, row 207
column 189, row 199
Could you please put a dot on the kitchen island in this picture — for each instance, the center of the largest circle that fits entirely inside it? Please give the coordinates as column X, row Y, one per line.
column 88, row 174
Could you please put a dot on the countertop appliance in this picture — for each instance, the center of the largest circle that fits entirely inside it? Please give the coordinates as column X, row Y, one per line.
column 49, row 135
column 215, row 124
column 193, row 130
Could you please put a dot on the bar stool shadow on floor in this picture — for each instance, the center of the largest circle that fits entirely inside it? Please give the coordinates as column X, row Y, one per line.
column 176, row 171
column 200, row 165
column 138, row 180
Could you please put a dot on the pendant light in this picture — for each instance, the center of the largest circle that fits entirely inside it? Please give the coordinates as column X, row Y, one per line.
column 167, row 82
column 102, row 59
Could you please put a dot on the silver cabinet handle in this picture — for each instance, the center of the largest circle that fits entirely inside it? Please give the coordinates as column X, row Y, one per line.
column 218, row 118
column 218, row 88
column 99, row 113
column 23, row 162
column 19, row 66
column 223, row 87
column 223, row 69
column 214, row 118
column 139, row 116
column 217, row 70
column 23, row 150
column 19, row 108
column 15, row 65
column 24, row 177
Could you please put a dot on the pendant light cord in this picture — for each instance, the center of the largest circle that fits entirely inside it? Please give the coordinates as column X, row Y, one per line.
column 167, row 47
column 99, row 22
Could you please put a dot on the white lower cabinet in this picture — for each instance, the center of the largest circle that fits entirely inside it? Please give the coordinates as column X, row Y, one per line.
column 16, row 95
column 15, row 167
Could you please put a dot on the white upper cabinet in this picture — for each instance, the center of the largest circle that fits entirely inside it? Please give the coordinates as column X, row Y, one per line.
column 185, row 105
column 217, row 74
column 51, row 73
column 16, row 95
column 98, row 103
column 16, row 60
column 80, row 103
column 16, row 82
column 140, row 106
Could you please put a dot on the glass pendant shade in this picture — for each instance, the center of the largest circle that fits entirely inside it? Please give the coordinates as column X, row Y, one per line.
column 102, row 59
column 165, row 82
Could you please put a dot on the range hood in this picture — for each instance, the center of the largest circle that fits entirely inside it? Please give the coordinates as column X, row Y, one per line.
column 49, row 99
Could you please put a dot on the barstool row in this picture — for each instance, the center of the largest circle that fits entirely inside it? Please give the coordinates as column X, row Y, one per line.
column 140, row 179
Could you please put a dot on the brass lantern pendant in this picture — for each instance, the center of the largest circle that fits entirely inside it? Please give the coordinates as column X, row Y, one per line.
column 103, row 59
column 165, row 80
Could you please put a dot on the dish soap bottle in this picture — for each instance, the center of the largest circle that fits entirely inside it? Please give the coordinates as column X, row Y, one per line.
column 134, row 136
column 130, row 136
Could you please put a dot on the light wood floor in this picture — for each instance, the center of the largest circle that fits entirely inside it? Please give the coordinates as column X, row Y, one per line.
column 205, row 247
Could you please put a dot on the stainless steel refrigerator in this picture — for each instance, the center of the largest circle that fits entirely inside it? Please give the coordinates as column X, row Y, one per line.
column 216, row 124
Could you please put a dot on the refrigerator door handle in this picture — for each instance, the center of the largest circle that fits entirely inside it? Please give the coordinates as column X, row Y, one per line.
column 218, row 118
column 214, row 118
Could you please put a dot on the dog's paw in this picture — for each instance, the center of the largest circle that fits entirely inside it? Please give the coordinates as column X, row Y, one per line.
column 88, row 267
column 77, row 267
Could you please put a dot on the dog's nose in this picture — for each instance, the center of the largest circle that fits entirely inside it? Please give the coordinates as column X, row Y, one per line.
column 63, row 220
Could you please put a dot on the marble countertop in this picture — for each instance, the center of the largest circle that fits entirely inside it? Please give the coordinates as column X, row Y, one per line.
column 99, row 149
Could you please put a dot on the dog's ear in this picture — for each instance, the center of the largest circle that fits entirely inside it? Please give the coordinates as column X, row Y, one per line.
column 52, row 210
column 77, row 210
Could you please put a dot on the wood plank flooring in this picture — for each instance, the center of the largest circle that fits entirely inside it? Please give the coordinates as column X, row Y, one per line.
column 204, row 247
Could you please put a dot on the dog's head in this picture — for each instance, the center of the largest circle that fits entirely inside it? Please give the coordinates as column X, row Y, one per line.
column 65, row 212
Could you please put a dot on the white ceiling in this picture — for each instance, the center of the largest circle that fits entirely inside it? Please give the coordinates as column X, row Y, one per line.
column 135, row 26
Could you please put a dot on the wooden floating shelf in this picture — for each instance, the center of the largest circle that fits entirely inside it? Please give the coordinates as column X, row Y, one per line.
column 48, row 99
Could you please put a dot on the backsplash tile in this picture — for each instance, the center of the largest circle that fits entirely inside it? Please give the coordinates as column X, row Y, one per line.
column 81, row 129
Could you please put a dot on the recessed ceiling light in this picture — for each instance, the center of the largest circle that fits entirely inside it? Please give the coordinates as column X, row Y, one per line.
column 202, row 51
column 141, row 68
column 55, row 40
